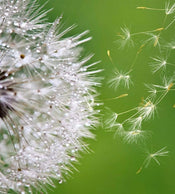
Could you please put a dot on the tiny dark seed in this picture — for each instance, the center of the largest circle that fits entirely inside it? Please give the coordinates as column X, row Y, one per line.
column 22, row 56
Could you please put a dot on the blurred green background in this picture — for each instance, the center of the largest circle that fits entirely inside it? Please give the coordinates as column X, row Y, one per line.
column 110, row 167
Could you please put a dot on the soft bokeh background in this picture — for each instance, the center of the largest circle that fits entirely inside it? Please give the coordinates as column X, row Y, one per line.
column 111, row 166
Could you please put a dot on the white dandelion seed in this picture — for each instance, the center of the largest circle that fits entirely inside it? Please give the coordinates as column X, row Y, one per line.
column 111, row 119
column 135, row 122
column 125, row 38
column 170, row 45
column 169, row 9
column 168, row 83
column 46, row 98
column 153, row 39
column 159, row 63
column 134, row 136
column 119, row 129
column 153, row 156
column 120, row 79
column 147, row 111
column 152, row 90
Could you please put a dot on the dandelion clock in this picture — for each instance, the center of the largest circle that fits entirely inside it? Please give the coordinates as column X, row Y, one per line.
column 47, row 98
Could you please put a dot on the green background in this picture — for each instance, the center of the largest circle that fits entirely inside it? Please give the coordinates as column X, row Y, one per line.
column 111, row 165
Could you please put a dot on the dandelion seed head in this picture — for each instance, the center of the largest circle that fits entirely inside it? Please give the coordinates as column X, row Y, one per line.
column 47, row 98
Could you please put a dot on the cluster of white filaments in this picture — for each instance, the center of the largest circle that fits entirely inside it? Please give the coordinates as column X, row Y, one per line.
column 47, row 98
column 153, row 156
column 130, row 128
column 120, row 78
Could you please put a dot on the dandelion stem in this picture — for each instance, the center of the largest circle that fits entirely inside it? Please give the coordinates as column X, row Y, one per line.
column 110, row 58
column 130, row 117
column 121, row 96
column 149, row 8
column 149, row 31
column 161, row 98
column 130, row 110
column 133, row 63
column 169, row 24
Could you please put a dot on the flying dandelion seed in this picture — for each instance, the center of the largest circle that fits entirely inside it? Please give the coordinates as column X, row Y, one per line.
column 135, row 122
column 123, row 79
column 129, row 127
column 153, row 157
column 170, row 45
column 134, row 136
column 153, row 39
column 148, row 110
column 125, row 38
column 169, row 9
column 119, row 129
column 110, row 122
column 152, row 91
column 158, row 63
column 168, row 84
column 47, row 98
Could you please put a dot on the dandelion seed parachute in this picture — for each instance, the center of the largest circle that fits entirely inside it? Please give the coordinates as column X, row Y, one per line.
column 46, row 98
